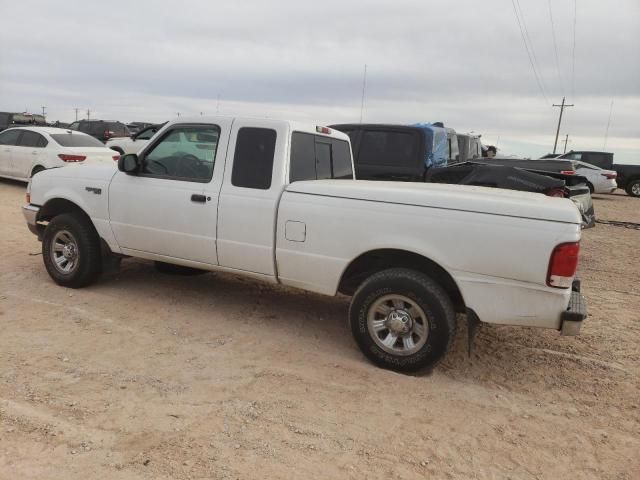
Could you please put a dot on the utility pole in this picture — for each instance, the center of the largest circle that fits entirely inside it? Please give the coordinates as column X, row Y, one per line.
column 566, row 139
column 76, row 109
column 178, row 114
column 44, row 112
column 364, row 86
column 562, row 107
column 218, row 104
column 606, row 133
column 88, row 114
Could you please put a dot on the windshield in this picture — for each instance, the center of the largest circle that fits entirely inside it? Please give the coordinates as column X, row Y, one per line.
column 75, row 140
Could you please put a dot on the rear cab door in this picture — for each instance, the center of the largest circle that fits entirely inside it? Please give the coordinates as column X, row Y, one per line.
column 254, row 179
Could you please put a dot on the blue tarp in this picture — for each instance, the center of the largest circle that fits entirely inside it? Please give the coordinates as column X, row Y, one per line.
column 436, row 148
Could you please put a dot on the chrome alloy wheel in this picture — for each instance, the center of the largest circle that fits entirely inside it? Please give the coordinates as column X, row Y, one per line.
column 397, row 324
column 635, row 189
column 64, row 252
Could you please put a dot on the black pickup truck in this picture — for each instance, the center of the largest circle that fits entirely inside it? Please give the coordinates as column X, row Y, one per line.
column 400, row 153
column 628, row 174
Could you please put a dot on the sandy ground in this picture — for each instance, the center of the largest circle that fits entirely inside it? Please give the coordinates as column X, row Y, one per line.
column 148, row 376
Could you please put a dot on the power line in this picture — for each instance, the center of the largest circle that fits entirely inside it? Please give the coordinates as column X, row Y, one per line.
column 573, row 51
column 533, row 52
column 555, row 48
column 526, row 47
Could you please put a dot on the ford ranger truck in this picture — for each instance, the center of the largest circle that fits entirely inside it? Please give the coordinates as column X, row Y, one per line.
column 277, row 201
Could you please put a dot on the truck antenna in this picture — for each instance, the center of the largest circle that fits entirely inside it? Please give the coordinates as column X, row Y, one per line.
column 364, row 86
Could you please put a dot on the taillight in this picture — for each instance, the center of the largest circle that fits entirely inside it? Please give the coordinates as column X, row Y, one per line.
column 568, row 172
column 610, row 176
column 116, row 158
column 71, row 158
column 556, row 192
column 108, row 134
column 563, row 264
column 324, row 130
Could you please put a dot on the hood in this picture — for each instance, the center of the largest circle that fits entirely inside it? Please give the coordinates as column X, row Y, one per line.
column 83, row 170
column 492, row 201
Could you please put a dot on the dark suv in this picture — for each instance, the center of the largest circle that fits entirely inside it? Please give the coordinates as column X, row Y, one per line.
column 103, row 130
column 8, row 119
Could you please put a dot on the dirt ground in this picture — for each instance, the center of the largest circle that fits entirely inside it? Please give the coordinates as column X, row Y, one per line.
column 149, row 376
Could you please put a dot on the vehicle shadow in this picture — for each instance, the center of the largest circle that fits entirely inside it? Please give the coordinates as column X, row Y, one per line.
column 510, row 357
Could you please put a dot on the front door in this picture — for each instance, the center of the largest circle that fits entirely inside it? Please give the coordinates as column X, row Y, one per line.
column 169, row 208
column 8, row 141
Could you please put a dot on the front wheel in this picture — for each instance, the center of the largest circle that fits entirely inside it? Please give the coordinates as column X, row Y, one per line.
column 402, row 320
column 633, row 188
column 71, row 250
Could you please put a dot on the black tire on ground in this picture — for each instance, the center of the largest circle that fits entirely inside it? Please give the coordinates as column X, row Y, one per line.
column 172, row 269
column 80, row 239
column 420, row 291
column 37, row 169
column 633, row 188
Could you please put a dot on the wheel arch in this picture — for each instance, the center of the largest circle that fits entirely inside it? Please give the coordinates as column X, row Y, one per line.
column 374, row 261
column 117, row 149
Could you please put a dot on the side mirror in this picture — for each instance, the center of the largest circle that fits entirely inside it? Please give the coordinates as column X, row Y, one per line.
column 128, row 163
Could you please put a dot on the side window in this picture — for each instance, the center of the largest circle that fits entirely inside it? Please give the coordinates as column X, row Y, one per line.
column 32, row 139
column 253, row 159
column 303, row 157
column 573, row 156
column 74, row 126
column 314, row 157
column 185, row 153
column 10, row 137
column 388, row 148
column 341, row 160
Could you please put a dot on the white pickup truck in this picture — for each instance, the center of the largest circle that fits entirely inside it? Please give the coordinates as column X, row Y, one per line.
column 276, row 200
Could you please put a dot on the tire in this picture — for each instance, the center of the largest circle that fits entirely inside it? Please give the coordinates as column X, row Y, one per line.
column 380, row 308
column 79, row 262
column 37, row 169
column 591, row 187
column 172, row 269
column 633, row 188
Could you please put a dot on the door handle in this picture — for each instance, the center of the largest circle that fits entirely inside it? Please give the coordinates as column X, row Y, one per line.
column 196, row 197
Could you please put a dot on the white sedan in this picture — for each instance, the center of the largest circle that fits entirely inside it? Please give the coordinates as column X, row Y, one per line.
column 25, row 151
column 600, row 180
column 135, row 143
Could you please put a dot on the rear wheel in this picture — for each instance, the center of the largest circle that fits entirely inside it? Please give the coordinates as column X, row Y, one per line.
column 71, row 250
column 633, row 187
column 402, row 320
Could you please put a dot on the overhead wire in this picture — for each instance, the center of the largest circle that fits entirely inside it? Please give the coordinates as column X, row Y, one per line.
column 529, row 55
column 573, row 50
column 555, row 48
column 533, row 52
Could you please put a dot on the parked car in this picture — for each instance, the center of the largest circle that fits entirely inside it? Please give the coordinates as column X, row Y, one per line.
column 103, row 130
column 135, row 142
column 599, row 179
column 8, row 119
column 628, row 175
column 25, row 151
column 408, row 153
column 276, row 201
column 135, row 127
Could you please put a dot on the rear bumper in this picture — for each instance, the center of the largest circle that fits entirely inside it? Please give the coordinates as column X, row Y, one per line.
column 576, row 312
column 30, row 213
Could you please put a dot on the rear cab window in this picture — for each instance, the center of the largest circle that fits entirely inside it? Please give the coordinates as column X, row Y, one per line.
column 253, row 158
column 316, row 157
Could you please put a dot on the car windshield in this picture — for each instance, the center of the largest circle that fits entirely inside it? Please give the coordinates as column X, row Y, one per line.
column 75, row 140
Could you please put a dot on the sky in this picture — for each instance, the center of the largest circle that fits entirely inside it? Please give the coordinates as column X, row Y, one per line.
column 462, row 62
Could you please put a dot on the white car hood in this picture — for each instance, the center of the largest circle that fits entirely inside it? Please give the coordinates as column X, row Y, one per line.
column 468, row 198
